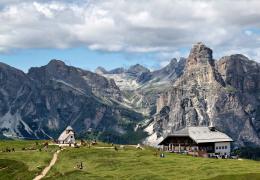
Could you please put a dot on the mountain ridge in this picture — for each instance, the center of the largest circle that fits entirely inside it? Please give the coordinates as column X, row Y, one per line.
column 41, row 103
column 119, row 103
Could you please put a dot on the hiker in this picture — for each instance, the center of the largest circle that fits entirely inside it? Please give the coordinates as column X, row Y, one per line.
column 81, row 165
column 162, row 155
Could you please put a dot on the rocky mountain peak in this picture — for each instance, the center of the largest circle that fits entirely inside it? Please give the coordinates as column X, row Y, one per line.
column 170, row 72
column 200, row 68
column 55, row 62
column 137, row 69
column 240, row 72
column 3, row 65
column 173, row 64
column 100, row 70
column 200, row 54
column 173, row 61
column 225, row 92
column 57, row 71
column 117, row 71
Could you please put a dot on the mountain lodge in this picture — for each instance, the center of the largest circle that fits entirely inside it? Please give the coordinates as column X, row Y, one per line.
column 199, row 141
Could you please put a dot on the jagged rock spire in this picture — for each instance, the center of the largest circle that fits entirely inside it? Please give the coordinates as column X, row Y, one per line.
column 200, row 54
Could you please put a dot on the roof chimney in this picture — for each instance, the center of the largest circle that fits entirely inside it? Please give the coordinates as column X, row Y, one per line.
column 212, row 127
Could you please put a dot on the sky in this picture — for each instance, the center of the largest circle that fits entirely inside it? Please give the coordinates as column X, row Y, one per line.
column 120, row 33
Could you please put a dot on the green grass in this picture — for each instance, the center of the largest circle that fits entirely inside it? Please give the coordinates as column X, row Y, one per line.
column 23, row 164
column 230, row 89
column 248, row 176
column 106, row 163
column 138, row 164
column 11, row 169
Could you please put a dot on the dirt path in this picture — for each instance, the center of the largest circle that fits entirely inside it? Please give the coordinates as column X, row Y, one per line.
column 99, row 147
column 46, row 169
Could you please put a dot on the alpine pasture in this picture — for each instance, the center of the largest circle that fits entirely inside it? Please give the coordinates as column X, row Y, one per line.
column 104, row 161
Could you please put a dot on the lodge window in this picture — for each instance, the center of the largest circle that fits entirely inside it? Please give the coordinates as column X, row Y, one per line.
column 221, row 147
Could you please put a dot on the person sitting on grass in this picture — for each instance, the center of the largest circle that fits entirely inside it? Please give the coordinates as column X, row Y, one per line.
column 80, row 165
column 162, row 155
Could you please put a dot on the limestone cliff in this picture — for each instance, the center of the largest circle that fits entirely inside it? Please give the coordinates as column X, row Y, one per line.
column 224, row 92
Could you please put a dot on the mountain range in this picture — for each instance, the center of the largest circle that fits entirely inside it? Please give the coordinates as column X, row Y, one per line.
column 127, row 105
column 41, row 103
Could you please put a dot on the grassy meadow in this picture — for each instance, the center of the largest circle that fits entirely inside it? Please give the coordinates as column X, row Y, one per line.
column 104, row 162
column 23, row 164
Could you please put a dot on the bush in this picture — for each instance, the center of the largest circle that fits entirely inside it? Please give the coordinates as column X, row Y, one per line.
column 230, row 89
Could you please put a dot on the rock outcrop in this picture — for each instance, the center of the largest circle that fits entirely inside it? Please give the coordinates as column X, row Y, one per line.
column 170, row 72
column 225, row 93
column 100, row 70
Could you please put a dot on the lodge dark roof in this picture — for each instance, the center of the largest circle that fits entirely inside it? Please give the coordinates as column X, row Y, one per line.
column 201, row 134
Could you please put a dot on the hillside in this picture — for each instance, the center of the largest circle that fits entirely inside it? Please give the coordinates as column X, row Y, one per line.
column 103, row 162
column 41, row 103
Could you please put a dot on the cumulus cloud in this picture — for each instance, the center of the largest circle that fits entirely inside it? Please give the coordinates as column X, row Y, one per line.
column 130, row 25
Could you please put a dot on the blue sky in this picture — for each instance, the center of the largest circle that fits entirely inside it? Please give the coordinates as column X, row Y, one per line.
column 116, row 33
column 79, row 57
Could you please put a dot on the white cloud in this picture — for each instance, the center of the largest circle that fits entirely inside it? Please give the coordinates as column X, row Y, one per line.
column 129, row 25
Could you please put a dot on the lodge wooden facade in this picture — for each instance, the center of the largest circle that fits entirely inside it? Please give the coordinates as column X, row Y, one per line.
column 197, row 141
column 180, row 144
